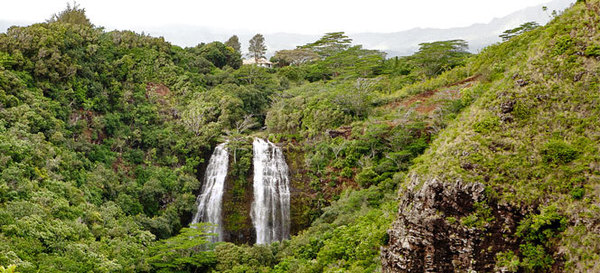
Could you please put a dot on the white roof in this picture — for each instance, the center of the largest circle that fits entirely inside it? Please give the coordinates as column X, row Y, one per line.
column 253, row 61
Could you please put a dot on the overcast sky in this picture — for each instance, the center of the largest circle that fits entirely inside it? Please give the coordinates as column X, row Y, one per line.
column 270, row 16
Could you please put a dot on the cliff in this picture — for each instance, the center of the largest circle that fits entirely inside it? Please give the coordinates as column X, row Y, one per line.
column 513, row 184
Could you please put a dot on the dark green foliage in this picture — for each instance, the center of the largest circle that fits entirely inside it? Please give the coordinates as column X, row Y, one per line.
column 219, row 54
column 577, row 193
column 103, row 137
column 558, row 152
column 537, row 232
column 542, row 227
column 563, row 44
column 103, row 134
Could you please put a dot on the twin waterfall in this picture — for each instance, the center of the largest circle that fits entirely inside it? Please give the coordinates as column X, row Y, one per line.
column 270, row 211
column 271, row 206
column 209, row 202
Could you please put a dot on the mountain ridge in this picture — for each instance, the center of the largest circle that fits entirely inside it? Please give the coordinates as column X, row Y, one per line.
column 400, row 43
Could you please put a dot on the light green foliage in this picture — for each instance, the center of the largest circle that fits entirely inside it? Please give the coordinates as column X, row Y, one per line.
column 330, row 44
column 188, row 251
column 8, row 269
column 437, row 57
column 102, row 134
column 530, row 138
column 71, row 15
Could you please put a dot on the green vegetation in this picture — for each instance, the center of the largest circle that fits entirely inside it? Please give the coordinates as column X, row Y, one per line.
column 189, row 250
column 104, row 136
column 508, row 34
column 530, row 139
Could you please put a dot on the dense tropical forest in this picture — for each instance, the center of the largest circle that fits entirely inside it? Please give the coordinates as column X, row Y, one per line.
column 442, row 161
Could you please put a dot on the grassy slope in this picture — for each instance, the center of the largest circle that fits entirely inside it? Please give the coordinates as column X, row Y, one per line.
column 535, row 143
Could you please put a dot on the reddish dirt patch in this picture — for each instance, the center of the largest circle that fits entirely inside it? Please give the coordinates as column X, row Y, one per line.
column 341, row 183
column 344, row 131
column 426, row 101
column 469, row 79
column 119, row 166
column 158, row 89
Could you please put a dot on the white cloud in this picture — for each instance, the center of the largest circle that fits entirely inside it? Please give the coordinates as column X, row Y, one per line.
column 269, row 16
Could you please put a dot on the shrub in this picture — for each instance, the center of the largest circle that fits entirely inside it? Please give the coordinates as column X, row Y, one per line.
column 559, row 152
column 366, row 177
column 487, row 125
column 347, row 172
column 535, row 258
column 577, row 193
column 507, row 261
column 563, row 43
column 592, row 51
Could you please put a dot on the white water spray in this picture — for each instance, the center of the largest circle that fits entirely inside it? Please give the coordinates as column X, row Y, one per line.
column 271, row 207
column 210, row 201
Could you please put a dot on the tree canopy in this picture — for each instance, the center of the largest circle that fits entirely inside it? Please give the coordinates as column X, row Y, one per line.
column 435, row 57
column 296, row 56
column 234, row 42
column 508, row 34
column 72, row 15
column 330, row 44
column 257, row 47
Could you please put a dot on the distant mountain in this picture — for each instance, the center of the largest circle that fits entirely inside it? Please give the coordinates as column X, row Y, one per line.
column 478, row 35
column 395, row 44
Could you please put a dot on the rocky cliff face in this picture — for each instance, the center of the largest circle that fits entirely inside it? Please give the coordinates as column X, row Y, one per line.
column 512, row 184
column 428, row 235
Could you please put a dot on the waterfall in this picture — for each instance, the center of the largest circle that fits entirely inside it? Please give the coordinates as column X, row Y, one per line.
column 271, row 206
column 210, row 200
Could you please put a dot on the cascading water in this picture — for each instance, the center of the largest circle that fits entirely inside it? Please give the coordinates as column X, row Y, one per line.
column 210, row 201
column 271, row 207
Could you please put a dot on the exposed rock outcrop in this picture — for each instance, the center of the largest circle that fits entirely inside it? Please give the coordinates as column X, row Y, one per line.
column 428, row 235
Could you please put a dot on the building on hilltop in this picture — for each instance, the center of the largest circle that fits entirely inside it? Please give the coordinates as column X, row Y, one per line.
column 262, row 62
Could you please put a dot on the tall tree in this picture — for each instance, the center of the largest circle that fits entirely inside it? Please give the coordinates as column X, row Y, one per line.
column 506, row 35
column 330, row 44
column 234, row 42
column 437, row 57
column 257, row 48
column 220, row 54
column 72, row 14
column 296, row 56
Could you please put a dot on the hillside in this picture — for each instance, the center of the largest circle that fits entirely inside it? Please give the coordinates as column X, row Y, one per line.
column 512, row 185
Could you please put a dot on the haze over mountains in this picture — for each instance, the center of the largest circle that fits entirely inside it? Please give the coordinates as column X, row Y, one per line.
column 399, row 43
